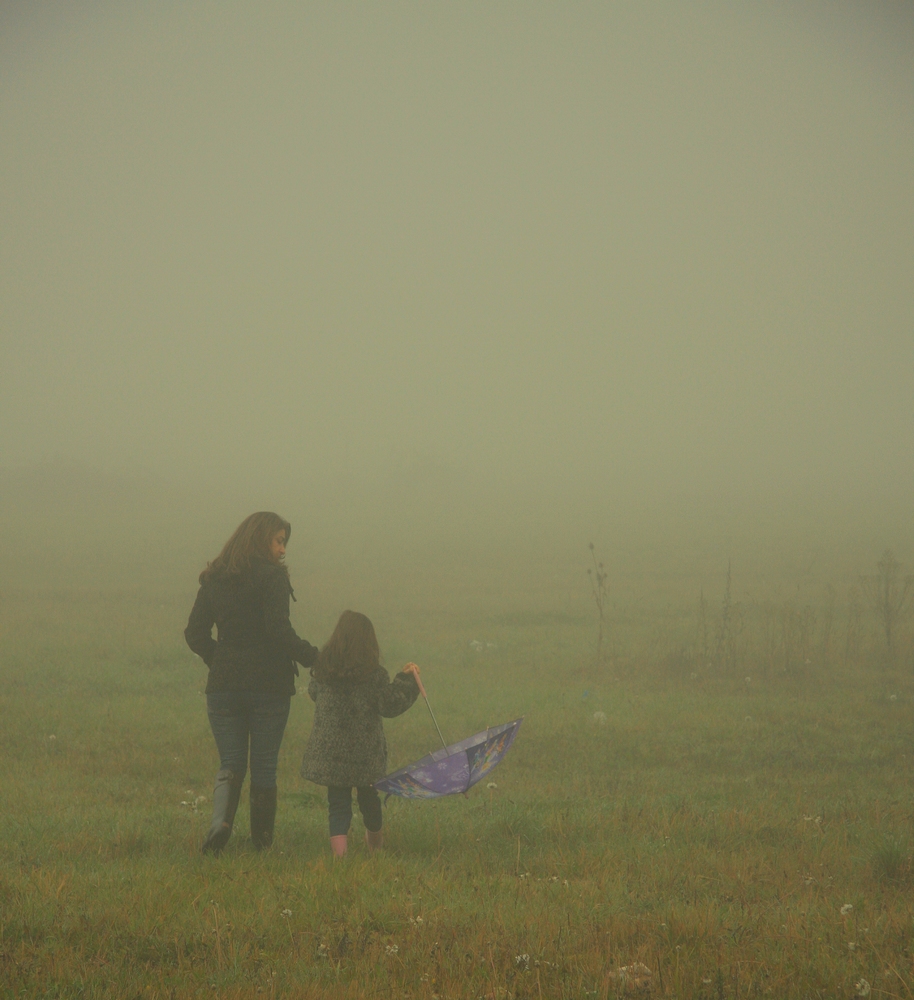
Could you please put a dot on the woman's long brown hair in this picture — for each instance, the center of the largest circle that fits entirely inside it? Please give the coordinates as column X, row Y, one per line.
column 249, row 540
column 351, row 653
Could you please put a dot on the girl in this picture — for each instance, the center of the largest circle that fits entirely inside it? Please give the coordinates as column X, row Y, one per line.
column 351, row 691
column 245, row 593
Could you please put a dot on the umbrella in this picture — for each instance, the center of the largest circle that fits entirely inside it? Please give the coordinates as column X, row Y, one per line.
column 453, row 769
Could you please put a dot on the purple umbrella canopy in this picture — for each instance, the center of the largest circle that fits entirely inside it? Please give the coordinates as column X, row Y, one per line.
column 454, row 768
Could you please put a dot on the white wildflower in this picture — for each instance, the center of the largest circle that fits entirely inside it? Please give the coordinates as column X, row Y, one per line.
column 862, row 988
column 522, row 960
column 599, row 718
column 391, row 949
column 286, row 913
column 632, row 977
column 893, row 697
column 52, row 737
column 491, row 785
column 847, row 908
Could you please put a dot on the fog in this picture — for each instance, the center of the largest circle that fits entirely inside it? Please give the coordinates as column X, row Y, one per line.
column 453, row 286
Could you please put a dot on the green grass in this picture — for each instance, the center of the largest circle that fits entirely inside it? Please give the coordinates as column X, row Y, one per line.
column 709, row 827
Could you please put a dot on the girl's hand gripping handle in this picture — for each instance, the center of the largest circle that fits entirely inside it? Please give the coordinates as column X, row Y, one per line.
column 411, row 668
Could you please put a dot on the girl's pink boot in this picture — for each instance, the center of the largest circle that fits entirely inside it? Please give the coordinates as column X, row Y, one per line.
column 374, row 839
column 338, row 845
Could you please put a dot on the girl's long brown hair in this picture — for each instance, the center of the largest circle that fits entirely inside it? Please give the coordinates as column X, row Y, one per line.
column 351, row 653
column 251, row 539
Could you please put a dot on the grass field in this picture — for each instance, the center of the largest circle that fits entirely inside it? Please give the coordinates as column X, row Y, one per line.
column 737, row 828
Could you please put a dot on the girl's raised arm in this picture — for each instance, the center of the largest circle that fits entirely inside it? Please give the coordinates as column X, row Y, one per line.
column 412, row 668
column 396, row 696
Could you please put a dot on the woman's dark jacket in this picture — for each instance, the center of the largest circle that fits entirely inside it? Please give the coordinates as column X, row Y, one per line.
column 347, row 745
column 256, row 646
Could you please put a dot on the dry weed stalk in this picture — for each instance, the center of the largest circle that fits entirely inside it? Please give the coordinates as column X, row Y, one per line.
column 600, row 588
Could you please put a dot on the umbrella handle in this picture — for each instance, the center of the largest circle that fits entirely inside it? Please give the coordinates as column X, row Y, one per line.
column 416, row 678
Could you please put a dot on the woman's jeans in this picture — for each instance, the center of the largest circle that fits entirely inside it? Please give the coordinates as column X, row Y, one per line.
column 238, row 718
column 340, row 801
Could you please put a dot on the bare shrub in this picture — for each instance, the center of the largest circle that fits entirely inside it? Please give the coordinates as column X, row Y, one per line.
column 888, row 593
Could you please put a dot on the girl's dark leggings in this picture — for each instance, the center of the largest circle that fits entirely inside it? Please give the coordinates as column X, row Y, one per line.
column 340, row 801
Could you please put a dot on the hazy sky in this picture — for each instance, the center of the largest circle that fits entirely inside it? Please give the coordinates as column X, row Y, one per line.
column 573, row 254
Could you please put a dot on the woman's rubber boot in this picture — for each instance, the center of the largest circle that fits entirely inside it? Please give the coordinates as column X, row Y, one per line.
column 225, row 803
column 338, row 845
column 374, row 839
column 263, row 816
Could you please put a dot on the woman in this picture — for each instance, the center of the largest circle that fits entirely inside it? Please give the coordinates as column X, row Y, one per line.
column 245, row 593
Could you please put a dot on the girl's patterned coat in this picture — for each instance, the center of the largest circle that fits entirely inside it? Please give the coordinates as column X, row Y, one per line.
column 347, row 745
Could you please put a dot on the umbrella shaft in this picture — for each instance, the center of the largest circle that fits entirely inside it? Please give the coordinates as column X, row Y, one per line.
column 432, row 714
